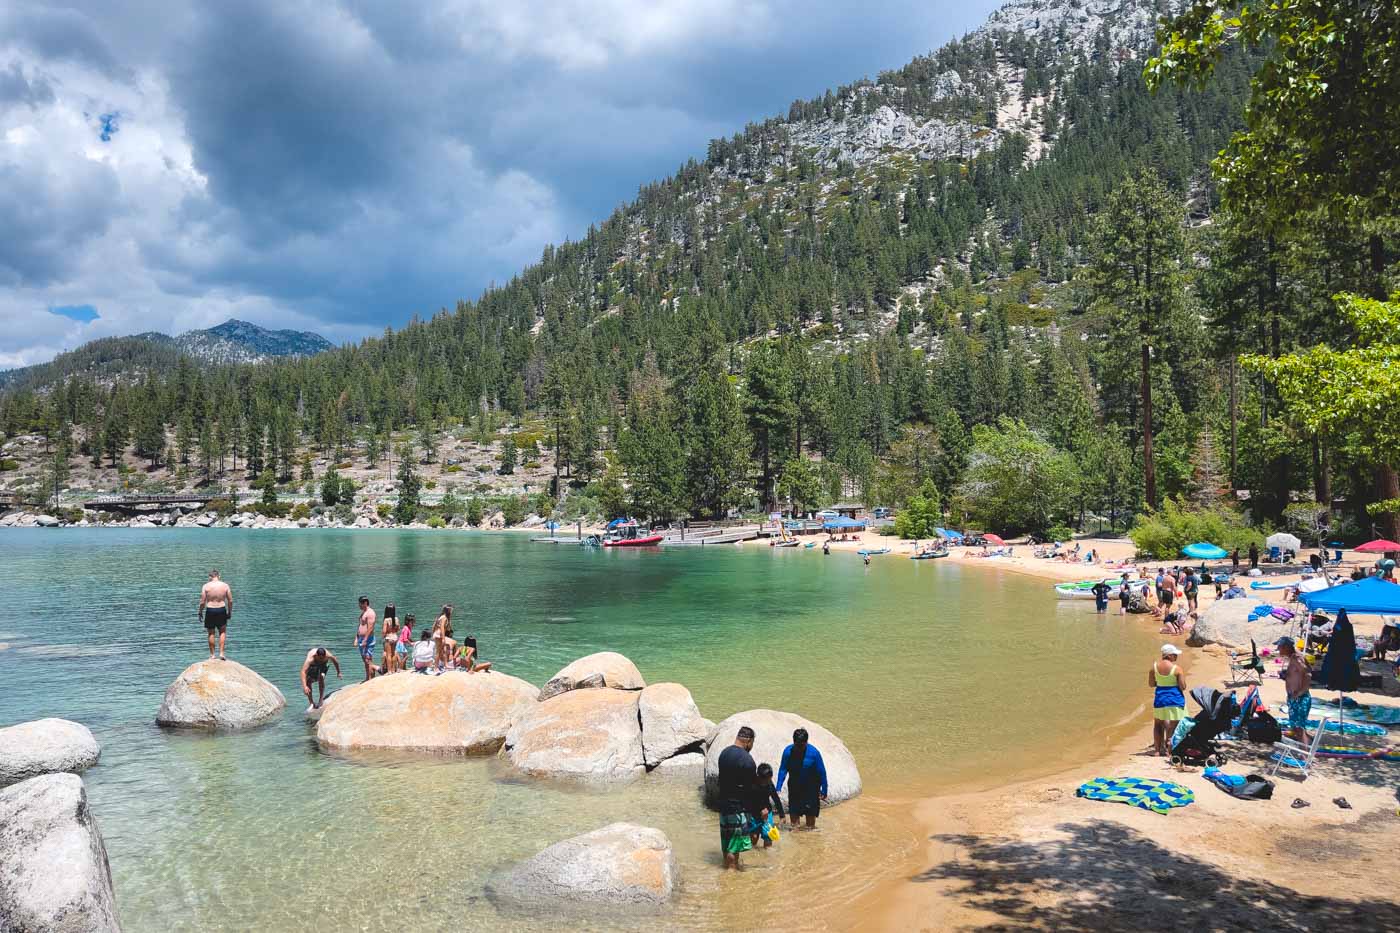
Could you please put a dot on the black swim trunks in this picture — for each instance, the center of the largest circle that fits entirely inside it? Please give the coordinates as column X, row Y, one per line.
column 315, row 673
column 216, row 618
column 804, row 802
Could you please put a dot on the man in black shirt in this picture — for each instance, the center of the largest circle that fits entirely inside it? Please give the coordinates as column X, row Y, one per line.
column 737, row 780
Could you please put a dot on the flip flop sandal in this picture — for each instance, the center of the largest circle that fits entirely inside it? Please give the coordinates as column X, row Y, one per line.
column 1299, row 803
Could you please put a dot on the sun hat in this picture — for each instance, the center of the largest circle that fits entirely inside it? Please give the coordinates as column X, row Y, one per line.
column 1285, row 640
column 1169, row 648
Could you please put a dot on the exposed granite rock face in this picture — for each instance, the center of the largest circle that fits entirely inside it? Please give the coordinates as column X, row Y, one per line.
column 453, row 712
column 591, row 735
column 615, row 671
column 671, row 722
column 622, row 865
column 45, row 746
column 219, row 695
column 54, row 874
column 1226, row 622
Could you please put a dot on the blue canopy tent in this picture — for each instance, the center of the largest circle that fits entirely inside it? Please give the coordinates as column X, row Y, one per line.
column 1371, row 596
column 842, row 524
column 949, row 534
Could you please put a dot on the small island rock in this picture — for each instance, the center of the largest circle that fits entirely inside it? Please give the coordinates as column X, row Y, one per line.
column 45, row 746
column 219, row 695
column 54, row 874
column 588, row 734
column 671, row 722
column 615, row 669
column 622, row 865
column 773, row 732
column 454, row 712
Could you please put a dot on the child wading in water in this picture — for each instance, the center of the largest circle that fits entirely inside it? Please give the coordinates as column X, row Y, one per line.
column 767, row 802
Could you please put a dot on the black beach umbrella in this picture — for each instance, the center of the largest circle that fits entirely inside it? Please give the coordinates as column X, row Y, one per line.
column 1340, row 669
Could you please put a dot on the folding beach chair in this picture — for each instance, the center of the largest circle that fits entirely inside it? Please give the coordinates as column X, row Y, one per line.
column 1275, row 555
column 1296, row 754
column 1245, row 668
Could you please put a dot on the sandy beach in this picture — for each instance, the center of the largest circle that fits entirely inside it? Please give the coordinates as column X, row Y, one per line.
column 1029, row 853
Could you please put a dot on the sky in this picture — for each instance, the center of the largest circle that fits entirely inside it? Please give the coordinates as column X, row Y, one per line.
column 343, row 165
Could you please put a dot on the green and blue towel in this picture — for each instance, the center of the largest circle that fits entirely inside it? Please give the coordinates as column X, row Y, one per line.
column 1149, row 794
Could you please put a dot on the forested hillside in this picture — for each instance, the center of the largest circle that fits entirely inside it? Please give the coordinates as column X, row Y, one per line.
column 934, row 280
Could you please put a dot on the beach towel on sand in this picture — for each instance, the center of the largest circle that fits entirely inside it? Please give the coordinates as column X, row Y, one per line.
column 1149, row 794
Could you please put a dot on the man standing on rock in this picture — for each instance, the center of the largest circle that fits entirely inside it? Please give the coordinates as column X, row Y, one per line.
column 737, row 779
column 215, row 608
column 364, row 636
column 313, row 673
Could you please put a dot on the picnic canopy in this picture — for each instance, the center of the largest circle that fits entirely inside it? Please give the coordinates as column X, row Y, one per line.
column 948, row 533
column 1371, row 596
column 839, row 524
column 1204, row 550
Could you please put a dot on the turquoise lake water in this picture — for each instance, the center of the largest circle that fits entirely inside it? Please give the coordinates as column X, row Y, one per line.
column 933, row 674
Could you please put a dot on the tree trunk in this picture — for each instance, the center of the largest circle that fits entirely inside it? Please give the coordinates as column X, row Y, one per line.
column 1234, row 428
column 1387, row 481
column 1149, row 468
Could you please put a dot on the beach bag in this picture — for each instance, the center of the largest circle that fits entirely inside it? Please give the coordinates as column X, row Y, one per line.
column 1262, row 727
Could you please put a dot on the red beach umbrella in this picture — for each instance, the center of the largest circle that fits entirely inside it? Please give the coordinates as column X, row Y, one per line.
column 1379, row 546
column 994, row 539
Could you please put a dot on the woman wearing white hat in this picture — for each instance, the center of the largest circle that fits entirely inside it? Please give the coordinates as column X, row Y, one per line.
column 1168, row 698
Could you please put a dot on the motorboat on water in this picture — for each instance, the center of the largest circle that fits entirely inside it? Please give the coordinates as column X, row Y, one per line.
column 628, row 534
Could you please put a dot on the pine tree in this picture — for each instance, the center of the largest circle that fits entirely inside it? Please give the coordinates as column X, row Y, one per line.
column 771, row 410
column 508, row 456
column 406, row 509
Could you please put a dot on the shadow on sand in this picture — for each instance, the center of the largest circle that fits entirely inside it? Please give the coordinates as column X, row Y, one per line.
column 1104, row 876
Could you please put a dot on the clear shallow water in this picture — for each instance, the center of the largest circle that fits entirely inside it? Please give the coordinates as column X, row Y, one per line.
column 932, row 674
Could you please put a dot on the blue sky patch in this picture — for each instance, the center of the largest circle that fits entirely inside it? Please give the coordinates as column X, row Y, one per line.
column 83, row 314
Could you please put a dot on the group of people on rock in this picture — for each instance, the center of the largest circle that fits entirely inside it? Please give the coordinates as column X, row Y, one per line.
column 750, row 804
column 435, row 651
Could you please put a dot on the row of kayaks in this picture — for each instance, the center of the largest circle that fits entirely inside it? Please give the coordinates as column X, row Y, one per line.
column 1084, row 589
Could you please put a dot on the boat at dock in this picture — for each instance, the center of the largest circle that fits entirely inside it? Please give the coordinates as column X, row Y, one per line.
column 628, row 534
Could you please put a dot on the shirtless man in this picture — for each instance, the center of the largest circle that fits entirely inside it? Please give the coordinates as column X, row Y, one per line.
column 313, row 673
column 215, row 608
column 364, row 636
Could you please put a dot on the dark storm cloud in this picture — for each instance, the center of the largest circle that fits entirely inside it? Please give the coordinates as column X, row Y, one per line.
column 355, row 163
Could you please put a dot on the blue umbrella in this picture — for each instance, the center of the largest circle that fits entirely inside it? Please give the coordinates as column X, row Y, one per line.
column 1203, row 550
column 551, row 524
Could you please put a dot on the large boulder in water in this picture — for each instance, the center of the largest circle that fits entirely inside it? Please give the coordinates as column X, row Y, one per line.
column 619, row 866
column 1226, row 622
column 54, row 874
column 773, row 733
column 219, row 695
column 45, row 746
column 604, row 669
column 671, row 722
column 453, row 712
column 588, row 734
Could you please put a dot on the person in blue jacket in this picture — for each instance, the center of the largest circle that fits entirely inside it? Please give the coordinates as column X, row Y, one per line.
column 803, row 764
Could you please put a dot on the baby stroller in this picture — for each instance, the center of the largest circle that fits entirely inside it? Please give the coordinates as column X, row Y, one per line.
column 1194, row 744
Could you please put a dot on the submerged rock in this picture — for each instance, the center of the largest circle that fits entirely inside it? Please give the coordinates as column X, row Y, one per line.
column 671, row 722
column 772, row 733
column 219, row 695
column 588, row 734
column 45, row 746
column 453, row 712
column 622, row 865
column 54, row 874
column 615, row 670
column 1226, row 622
